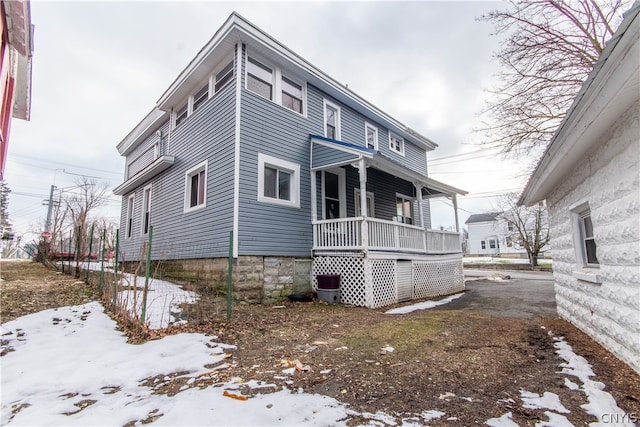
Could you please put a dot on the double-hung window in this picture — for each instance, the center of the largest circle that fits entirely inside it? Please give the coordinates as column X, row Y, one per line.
column 259, row 79
column 331, row 120
column 223, row 77
column 371, row 136
column 278, row 181
column 404, row 209
column 396, row 143
column 483, row 244
column 291, row 95
column 146, row 209
column 200, row 97
column 129, row 223
column 588, row 241
column 181, row 114
column 196, row 187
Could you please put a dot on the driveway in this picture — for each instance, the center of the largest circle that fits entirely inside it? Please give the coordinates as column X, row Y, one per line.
column 509, row 294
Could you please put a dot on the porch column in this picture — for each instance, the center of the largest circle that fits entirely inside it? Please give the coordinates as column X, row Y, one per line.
column 362, row 171
column 421, row 212
column 314, row 209
column 455, row 211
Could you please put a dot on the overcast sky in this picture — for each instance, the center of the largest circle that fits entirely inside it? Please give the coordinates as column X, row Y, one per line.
column 99, row 68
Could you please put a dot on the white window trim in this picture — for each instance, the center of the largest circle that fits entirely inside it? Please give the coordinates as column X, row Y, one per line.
column 144, row 191
column 212, row 77
column 131, row 201
column 174, row 115
column 583, row 271
column 356, row 203
column 342, row 192
column 402, row 142
column 326, row 103
column 412, row 200
column 276, row 84
column 187, row 182
column 293, row 168
column 375, row 129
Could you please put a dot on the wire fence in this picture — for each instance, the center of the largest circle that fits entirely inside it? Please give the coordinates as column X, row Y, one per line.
column 154, row 294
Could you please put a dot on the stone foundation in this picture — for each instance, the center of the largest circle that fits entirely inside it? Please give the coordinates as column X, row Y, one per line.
column 256, row 279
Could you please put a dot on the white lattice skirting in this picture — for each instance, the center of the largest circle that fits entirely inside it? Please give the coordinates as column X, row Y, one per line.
column 377, row 282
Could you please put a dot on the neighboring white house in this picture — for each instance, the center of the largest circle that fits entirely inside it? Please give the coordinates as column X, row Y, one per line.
column 491, row 234
column 590, row 178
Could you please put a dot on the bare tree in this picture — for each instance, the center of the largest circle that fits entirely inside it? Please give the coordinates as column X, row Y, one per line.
column 528, row 226
column 549, row 49
column 84, row 198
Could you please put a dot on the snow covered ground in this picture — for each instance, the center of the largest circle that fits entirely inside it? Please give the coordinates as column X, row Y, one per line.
column 499, row 260
column 70, row 366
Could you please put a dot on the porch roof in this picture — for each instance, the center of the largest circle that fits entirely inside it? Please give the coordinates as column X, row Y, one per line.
column 353, row 153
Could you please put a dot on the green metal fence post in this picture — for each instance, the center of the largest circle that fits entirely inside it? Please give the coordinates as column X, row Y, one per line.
column 146, row 277
column 230, row 276
column 61, row 251
column 86, row 273
column 104, row 234
column 116, row 270
column 69, row 253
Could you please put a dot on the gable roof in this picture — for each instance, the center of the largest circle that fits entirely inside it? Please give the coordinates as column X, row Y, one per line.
column 237, row 29
column 612, row 87
column 483, row 217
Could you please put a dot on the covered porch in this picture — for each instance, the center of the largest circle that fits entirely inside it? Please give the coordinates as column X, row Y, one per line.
column 372, row 225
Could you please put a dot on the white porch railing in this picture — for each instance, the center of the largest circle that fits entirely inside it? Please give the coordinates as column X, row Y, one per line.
column 346, row 234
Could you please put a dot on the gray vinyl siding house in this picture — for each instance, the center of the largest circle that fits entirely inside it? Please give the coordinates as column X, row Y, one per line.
column 252, row 139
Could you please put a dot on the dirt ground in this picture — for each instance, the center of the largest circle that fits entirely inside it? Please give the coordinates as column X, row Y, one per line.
column 458, row 361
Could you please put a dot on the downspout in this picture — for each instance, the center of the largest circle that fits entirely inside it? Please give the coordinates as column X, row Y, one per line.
column 236, row 165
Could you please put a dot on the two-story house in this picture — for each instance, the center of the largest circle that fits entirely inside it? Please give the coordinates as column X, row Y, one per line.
column 252, row 139
column 492, row 234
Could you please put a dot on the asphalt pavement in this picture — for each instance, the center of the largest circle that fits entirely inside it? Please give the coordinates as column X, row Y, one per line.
column 517, row 294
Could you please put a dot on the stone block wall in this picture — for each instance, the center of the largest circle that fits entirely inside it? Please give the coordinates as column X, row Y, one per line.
column 609, row 180
column 256, row 279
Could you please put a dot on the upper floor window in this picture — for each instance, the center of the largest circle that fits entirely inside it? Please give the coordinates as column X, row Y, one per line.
column 272, row 84
column 223, row 77
column 196, row 187
column 510, row 226
column 291, row 95
column 146, row 210
column 181, row 114
column 396, row 143
column 331, row 120
column 259, row 79
column 200, row 97
column 371, row 135
column 278, row 181
column 129, row 220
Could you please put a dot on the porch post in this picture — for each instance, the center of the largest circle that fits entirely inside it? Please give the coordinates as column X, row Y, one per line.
column 362, row 171
column 421, row 211
column 314, row 208
column 455, row 211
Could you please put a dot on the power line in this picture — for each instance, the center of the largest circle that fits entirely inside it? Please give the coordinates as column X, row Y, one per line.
column 63, row 163
column 462, row 154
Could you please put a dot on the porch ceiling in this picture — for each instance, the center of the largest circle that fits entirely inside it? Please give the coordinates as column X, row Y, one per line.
column 353, row 153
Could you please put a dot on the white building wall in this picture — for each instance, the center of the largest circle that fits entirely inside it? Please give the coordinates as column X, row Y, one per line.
column 479, row 231
column 609, row 180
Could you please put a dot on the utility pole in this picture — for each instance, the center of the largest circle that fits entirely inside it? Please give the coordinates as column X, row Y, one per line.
column 48, row 222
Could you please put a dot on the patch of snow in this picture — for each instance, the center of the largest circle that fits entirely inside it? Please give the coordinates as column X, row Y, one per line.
column 600, row 403
column 504, row 421
column 432, row 415
column 388, row 349
column 425, row 305
column 547, row 400
column 555, row 420
column 570, row 384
